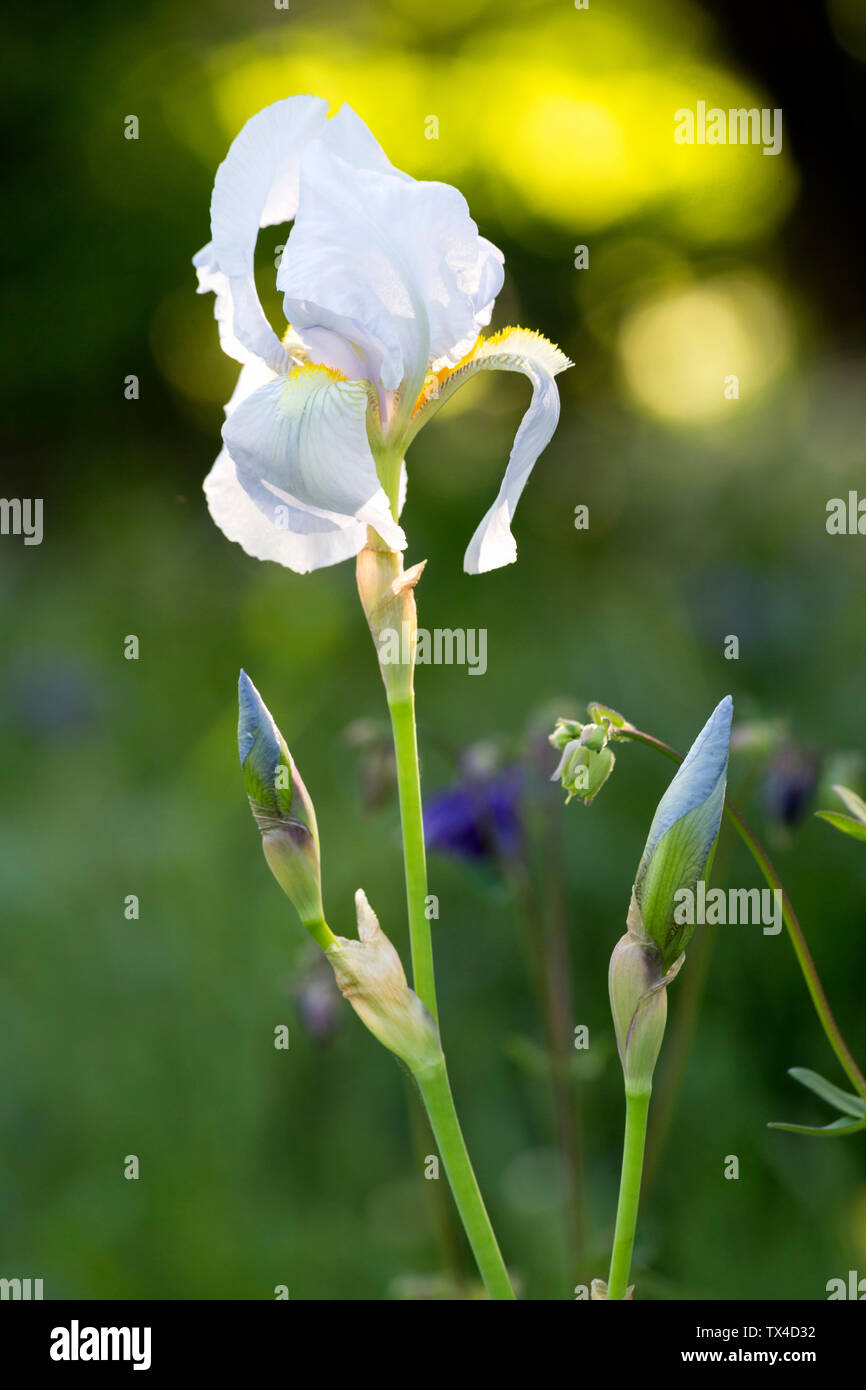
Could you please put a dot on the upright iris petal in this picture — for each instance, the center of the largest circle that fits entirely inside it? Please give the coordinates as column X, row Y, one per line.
column 395, row 267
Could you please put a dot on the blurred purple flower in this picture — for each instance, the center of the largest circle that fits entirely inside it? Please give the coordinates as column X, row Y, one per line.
column 789, row 784
column 478, row 818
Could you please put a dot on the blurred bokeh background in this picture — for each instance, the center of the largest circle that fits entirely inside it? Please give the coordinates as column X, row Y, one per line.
column 154, row 1036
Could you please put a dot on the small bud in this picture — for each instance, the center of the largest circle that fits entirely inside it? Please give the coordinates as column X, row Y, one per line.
column 370, row 975
column 610, row 718
column 585, row 765
column 565, row 731
column 639, row 1004
column 606, row 726
column 682, row 836
column 282, row 808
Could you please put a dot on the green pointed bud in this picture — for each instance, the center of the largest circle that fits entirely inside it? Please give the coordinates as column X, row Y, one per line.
column 639, row 1004
column 585, row 765
column 282, row 809
column 370, row 975
column 682, row 837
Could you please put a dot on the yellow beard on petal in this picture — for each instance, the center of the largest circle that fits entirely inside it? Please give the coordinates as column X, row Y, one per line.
column 510, row 339
column 436, row 380
column 529, row 337
column 312, row 369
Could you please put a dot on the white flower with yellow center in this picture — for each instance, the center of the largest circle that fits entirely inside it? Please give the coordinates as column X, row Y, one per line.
column 387, row 285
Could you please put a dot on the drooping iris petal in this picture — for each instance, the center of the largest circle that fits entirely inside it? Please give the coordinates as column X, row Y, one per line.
column 394, row 266
column 297, row 537
column 512, row 350
column 300, row 448
column 240, row 520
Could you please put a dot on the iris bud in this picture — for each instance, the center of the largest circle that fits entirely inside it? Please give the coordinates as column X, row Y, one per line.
column 639, row 1004
column 682, row 836
column 282, row 809
column 650, row 954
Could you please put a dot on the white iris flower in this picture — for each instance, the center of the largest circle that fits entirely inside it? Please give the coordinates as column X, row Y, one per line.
column 386, row 286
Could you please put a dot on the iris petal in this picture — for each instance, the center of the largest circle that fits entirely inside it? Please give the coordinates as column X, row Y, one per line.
column 512, row 350
column 299, row 444
column 301, row 538
column 394, row 266
column 256, row 186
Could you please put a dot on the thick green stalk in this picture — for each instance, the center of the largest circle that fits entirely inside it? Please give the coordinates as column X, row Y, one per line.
column 414, row 857
column 809, row 971
column 436, row 1093
column 387, row 596
column 434, row 1086
column 636, row 1111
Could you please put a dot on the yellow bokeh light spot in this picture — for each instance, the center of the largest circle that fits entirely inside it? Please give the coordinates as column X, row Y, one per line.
column 680, row 350
column 589, row 154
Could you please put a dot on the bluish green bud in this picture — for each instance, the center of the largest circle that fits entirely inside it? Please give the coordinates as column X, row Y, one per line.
column 682, row 837
column 282, row 809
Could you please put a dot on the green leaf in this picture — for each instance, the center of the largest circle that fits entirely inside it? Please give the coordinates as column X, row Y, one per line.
column 831, row 1131
column 840, row 1100
column 855, row 804
column 846, row 824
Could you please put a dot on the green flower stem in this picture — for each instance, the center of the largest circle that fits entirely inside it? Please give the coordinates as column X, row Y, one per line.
column 436, row 1093
column 415, row 861
column 667, row 1084
column 636, row 1111
column 795, row 931
column 321, row 933
column 434, row 1086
